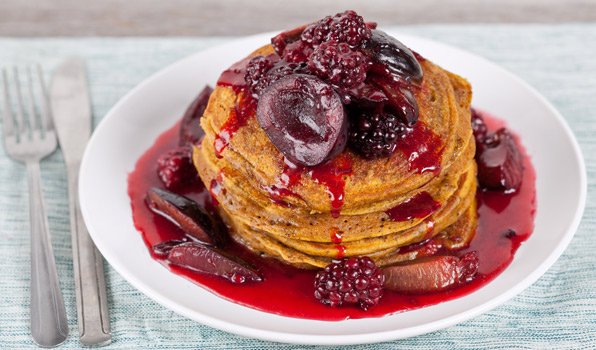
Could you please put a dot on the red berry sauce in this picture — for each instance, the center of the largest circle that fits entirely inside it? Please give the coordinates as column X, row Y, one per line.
column 289, row 177
column 288, row 291
column 332, row 174
column 244, row 109
column 336, row 236
column 419, row 206
column 421, row 146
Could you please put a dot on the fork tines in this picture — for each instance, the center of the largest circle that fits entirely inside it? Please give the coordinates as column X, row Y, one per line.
column 34, row 123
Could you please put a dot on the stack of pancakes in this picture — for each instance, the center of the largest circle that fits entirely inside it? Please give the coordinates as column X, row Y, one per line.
column 301, row 230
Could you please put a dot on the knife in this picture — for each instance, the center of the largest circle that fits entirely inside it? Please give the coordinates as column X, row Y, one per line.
column 71, row 108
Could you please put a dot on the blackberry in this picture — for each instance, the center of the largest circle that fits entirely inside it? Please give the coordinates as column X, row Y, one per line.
column 347, row 27
column 176, row 169
column 376, row 135
column 350, row 281
column 338, row 64
column 262, row 72
column 256, row 69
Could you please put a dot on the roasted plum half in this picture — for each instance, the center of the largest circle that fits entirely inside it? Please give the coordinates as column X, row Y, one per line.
column 390, row 52
column 304, row 118
column 214, row 261
column 431, row 274
column 500, row 162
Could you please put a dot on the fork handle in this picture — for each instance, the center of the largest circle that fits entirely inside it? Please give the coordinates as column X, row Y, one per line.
column 49, row 326
column 90, row 285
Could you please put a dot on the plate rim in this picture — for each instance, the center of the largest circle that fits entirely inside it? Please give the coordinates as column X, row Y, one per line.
column 370, row 337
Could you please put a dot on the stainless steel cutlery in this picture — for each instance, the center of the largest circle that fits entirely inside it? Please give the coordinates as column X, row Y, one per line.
column 30, row 134
column 29, row 138
column 71, row 109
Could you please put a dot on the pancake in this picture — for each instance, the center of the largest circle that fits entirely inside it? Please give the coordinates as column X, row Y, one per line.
column 298, row 221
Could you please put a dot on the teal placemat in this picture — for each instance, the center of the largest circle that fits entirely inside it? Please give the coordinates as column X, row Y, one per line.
column 556, row 312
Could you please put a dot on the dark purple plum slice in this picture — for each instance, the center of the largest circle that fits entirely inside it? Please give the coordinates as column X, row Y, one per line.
column 431, row 274
column 304, row 118
column 387, row 50
column 186, row 214
column 210, row 260
column 191, row 131
column 162, row 250
column 500, row 163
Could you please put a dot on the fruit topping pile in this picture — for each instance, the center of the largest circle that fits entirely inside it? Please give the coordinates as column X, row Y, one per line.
column 367, row 79
column 345, row 27
column 500, row 162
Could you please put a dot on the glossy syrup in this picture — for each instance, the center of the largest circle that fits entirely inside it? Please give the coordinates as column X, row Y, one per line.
column 246, row 106
column 419, row 206
column 421, row 146
column 289, row 177
column 288, row 291
column 332, row 174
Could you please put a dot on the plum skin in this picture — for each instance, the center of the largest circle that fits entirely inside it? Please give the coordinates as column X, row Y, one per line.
column 304, row 118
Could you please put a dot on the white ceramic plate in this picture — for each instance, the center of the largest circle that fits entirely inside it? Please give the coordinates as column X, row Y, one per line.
column 133, row 124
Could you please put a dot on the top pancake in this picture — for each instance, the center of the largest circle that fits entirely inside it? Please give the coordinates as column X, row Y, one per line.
column 444, row 110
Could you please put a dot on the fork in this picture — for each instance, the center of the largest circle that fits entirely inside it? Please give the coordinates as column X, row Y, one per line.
column 29, row 140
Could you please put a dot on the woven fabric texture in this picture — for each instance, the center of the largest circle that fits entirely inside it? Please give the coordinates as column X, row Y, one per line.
column 556, row 312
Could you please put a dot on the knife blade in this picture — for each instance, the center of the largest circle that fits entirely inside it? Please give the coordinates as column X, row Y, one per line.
column 71, row 108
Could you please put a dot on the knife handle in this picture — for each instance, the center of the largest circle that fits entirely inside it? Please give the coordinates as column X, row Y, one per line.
column 90, row 286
